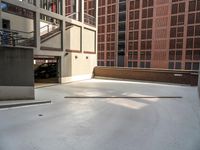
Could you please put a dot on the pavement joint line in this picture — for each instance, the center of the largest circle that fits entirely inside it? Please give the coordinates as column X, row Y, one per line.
column 163, row 97
column 13, row 105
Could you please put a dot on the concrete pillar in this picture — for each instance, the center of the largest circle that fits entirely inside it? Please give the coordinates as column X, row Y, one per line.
column 82, row 20
column 37, row 26
column 63, row 60
column 63, row 27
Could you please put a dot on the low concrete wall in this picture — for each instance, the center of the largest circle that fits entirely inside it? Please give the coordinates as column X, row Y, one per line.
column 199, row 84
column 17, row 76
column 169, row 76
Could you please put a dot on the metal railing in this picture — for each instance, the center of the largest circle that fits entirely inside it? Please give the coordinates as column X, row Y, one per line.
column 89, row 19
column 48, row 28
column 28, row 1
column 16, row 38
column 75, row 16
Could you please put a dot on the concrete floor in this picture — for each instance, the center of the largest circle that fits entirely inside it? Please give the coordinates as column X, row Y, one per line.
column 108, row 123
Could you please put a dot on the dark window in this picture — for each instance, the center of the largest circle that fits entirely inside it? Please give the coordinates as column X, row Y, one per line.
column 142, row 56
column 178, row 55
column 130, row 64
column 148, row 55
column 137, row 14
column 136, row 25
column 190, row 43
column 149, row 44
column 148, row 64
column 190, row 31
column 122, row 7
column 137, row 4
column 197, row 43
column 144, row 24
column 150, row 23
column 144, row 13
column 141, row 64
column 149, row 34
column 197, row 30
column 173, row 32
column 122, row 17
column 135, row 45
column 150, row 12
column 174, row 8
column 172, row 44
column 182, row 7
column 198, row 5
column 196, row 55
column 188, row 66
column 195, row 66
column 173, row 20
column 171, row 65
column 144, row 35
column 134, row 64
column 143, row 45
column 135, row 35
column 191, row 18
column 122, row 26
column 192, row 5
column 181, row 19
column 122, row 36
column 198, row 17
column 171, row 55
column 144, row 4
column 150, row 2
column 178, row 65
column 188, row 55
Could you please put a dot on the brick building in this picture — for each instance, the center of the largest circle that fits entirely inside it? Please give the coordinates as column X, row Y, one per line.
column 149, row 33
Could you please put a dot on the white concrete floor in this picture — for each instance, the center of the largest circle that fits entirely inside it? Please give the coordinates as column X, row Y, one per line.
column 105, row 124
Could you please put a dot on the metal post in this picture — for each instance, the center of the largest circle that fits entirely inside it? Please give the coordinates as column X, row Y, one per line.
column 77, row 9
column 82, row 11
column 0, row 17
column 37, row 26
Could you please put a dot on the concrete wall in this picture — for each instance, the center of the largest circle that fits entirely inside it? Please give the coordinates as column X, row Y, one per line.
column 54, row 42
column 199, row 83
column 19, row 23
column 17, row 76
column 89, row 41
column 82, row 57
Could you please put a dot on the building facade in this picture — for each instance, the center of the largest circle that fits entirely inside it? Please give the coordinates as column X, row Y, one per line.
column 57, row 30
column 149, row 34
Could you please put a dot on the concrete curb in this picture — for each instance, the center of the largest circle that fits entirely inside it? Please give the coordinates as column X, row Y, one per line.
column 23, row 104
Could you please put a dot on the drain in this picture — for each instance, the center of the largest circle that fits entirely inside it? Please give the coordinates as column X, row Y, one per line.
column 161, row 97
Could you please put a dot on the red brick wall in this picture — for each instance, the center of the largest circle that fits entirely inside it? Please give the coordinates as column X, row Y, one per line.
column 168, row 76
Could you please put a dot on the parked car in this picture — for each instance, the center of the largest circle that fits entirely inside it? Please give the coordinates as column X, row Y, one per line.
column 46, row 70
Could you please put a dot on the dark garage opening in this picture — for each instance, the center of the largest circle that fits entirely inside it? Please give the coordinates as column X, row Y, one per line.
column 46, row 69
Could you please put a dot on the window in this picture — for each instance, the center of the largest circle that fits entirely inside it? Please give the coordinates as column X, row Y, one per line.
column 178, row 65
column 171, row 65
column 188, row 55
column 188, row 66
column 190, row 31
column 197, row 30
column 190, row 43
column 192, row 5
column 191, row 18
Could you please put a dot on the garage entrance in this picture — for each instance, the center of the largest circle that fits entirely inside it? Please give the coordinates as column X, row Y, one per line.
column 46, row 69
